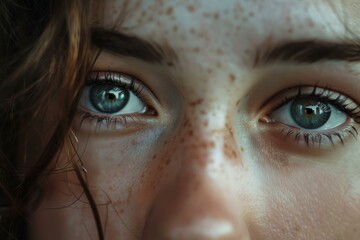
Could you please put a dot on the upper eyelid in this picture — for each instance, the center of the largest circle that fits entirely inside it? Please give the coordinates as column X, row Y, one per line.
column 136, row 80
column 326, row 91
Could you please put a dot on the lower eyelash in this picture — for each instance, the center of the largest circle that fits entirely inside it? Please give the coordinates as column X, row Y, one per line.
column 108, row 121
column 313, row 138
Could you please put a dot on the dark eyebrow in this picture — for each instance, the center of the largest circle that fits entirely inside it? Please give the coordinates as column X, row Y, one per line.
column 309, row 51
column 129, row 46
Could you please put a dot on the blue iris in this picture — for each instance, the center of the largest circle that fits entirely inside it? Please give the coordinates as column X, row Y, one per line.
column 310, row 113
column 109, row 98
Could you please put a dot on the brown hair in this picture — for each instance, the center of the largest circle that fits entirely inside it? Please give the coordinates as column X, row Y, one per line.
column 45, row 56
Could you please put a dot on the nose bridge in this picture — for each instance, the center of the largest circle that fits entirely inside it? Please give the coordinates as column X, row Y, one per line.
column 206, row 136
column 196, row 202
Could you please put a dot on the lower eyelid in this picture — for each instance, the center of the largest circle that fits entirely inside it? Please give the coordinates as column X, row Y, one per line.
column 97, row 123
column 318, row 139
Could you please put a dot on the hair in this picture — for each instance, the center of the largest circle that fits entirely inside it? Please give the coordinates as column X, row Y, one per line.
column 45, row 57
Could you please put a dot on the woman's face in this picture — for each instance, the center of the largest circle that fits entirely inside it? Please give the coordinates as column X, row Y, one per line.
column 227, row 119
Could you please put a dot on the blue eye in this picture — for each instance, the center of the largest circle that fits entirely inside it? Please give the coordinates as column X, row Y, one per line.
column 315, row 116
column 112, row 95
column 309, row 113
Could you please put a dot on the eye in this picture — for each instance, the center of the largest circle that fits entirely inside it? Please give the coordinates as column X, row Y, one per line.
column 309, row 113
column 108, row 98
column 116, row 98
column 315, row 115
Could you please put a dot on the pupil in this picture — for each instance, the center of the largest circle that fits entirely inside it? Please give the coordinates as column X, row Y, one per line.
column 108, row 98
column 310, row 113
column 111, row 96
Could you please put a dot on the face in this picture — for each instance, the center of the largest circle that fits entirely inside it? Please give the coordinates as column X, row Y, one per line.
column 215, row 120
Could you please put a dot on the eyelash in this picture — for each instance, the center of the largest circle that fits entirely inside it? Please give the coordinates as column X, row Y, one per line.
column 312, row 137
column 115, row 78
column 309, row 137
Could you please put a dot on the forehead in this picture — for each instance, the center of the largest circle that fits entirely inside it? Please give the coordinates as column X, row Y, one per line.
column 256, row 17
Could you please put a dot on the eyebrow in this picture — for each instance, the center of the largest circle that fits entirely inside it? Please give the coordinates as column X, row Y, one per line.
column 309, row 51
column 130, row 46
column 304, row 51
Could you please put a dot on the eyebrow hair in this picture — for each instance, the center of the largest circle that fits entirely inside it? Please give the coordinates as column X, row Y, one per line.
column 305, row 51
column 309, row 51
column 127, row 45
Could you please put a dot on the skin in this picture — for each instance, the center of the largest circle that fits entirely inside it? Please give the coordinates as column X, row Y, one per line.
column 208, row 166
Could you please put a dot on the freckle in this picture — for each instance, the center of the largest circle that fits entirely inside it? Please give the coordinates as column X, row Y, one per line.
column 168, row 161
column 206, row 123
column 196, row 49
column 187, row 122
column 209, row 70
column 143, row 13
column 182, row 140
column 232, row 77
column 290, row 30
column 251, row 14
column 197, row 102
column 175, row 28
column 297, row 228
column 134, row 142
column 191, row 133
column 193, row 31
column 234, row 153
column 219, row 52
column 242, row 149
column 227, row 150
column 153, row 157
column 191, row 8
column 130, row 190
column 206, row 144
column 169, row 11
column 218, row 64
column 216, row 16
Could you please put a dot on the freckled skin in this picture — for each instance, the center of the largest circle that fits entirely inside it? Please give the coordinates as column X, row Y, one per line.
column 205, row 168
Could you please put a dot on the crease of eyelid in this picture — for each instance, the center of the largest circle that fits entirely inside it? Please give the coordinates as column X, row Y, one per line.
column 129, row 45
column 308, row 52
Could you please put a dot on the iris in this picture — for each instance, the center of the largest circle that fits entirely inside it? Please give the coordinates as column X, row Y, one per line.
column 109, row 98
column 310, row 113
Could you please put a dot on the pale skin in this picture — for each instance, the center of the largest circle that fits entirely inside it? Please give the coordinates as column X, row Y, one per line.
column 209, row 164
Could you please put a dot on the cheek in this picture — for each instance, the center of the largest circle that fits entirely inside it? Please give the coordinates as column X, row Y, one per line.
column 311, row 202
column 121, row 175
column 306, row 196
